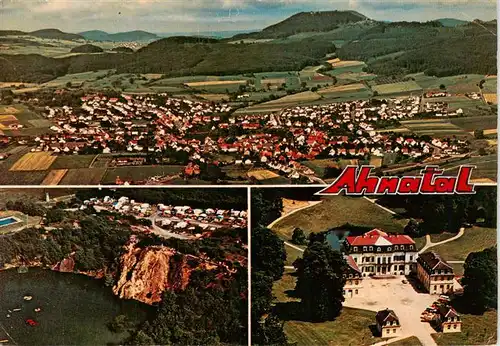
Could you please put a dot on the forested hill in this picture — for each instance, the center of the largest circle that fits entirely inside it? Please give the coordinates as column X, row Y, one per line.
column 306, row 22
column 53, row 34
column 388, row 49
column 175, row 57
column 129, row 36
column 402, row 48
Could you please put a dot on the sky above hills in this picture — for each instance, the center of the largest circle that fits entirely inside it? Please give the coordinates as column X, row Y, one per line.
column 163, row 16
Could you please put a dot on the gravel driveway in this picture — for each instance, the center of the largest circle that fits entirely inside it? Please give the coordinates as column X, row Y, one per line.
column 408, row 304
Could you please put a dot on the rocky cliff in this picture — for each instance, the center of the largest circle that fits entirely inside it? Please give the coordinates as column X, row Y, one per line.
column 145, row 273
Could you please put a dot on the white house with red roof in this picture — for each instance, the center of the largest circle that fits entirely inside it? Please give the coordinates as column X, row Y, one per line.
column 353, row 278
column 379, row 253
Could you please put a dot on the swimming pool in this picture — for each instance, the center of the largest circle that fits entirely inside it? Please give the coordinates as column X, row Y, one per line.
column 8, row 221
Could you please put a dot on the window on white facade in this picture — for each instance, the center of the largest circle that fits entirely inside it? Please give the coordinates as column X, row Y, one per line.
column 364, row 248
column 411, row 247
column 371, row 248
column 395, row 247
column 355, row 249
column 378, row 249
column 389, row 248
column 402, row 247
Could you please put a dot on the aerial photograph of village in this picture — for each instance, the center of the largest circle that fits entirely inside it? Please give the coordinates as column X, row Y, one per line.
column 116, row 267
column 244, row 92
column 395, row 270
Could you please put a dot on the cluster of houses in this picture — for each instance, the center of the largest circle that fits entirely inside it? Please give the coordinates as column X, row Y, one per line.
column 377, row 253
column 158, row 123
column 181, row 218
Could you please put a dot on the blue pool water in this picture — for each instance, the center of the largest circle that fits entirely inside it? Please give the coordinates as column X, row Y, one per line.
column 7, row 221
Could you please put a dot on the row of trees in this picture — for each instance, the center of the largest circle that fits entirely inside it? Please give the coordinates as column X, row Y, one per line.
column 445, row 212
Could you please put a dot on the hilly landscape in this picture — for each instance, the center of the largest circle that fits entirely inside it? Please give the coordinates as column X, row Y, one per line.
column 392, row 49
column 306, row 22
column 54, row 34
column 129, row 36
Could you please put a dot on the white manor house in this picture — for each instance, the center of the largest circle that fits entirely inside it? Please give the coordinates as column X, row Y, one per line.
column 379, row 253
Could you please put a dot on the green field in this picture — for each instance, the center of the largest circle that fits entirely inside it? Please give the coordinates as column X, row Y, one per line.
column 281, row 103
column 397, row 88
column 83, row 176
column 352, row 327
column 486, row 166
column 475, row 239
column 460, row 84
column 433, row 127
column 475, row 123
column 72, row 161
column 476, row 330
column 436, row 238
column 490, row 86
column 337, row 211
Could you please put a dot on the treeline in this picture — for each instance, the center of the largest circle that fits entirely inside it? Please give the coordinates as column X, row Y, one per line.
column 172, row 58
column 427, row 47
column 268, row 260
column 305, row 22
column 444, row 212
column 202, row 314
column 232, row 198
column 98, row 244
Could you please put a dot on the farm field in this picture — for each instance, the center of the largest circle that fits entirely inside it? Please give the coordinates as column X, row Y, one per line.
column 433, row 127
column 485, row 171
column 214, row 97
column 474, row 239
column 475, row 123
column 137, row 173
column 491, row 98
column 490, row 84
column 83, row 176
column 337, row 211
column 54, row 177
column 281, row 103
column 476, row 330
column 456, row 102
column 39, row 161
column 459, row 84
column 214, row 83
column 262, row 174
column 397, row 88
column 350, row 328
column 19, row 114
column 348, row 91
column 72, row 161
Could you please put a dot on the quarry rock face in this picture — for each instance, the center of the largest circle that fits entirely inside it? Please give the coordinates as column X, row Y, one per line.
column 67, row 265
column 145, row 273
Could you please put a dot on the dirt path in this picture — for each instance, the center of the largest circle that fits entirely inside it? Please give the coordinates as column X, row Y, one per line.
column 430, row 244
column 311, row 204
column 374, row 201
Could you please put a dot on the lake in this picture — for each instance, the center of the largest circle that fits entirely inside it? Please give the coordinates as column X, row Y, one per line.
column 335, row 238
column 75, row 309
